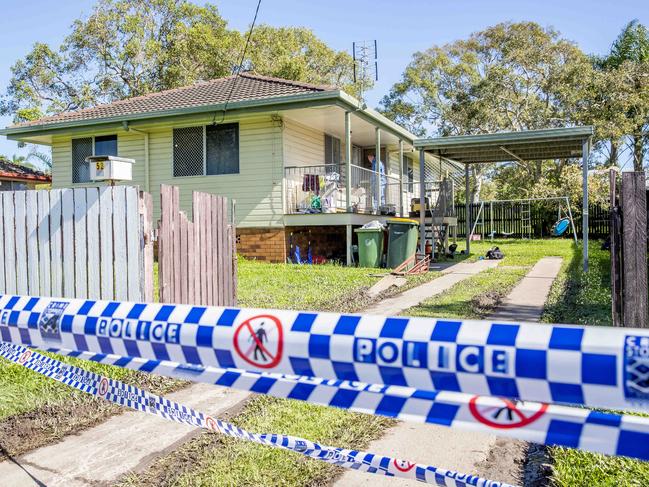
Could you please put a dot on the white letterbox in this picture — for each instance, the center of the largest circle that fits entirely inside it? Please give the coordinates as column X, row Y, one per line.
column 110, row 168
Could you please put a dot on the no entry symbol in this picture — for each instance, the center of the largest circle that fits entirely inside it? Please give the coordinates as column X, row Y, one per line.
column 259, row 341
column 403, row 465
column 503, row 413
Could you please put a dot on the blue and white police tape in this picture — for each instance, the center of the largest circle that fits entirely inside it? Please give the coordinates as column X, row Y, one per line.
column 135, row 398
column 591, row 366
column 548, row 424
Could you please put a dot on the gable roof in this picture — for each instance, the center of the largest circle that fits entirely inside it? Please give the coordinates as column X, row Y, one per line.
column 9, row 170
column 246, row 87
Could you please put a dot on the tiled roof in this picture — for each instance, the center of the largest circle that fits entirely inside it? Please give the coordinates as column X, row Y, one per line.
column 9, row 170
column 247, row 87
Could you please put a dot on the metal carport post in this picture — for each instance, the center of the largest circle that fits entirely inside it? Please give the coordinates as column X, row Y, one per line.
column 525, row 145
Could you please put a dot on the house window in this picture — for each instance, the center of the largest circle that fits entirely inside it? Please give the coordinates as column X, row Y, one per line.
column 210, row 150
column 411, row 175
column 81, row 148
column 222, row 145
column 106, row 145
column 332, row 149
column 12, row 186
column 188, row 151
column 101, row 145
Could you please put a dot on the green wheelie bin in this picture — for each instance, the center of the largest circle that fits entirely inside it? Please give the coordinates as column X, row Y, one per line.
column 370, row 246
column 402, row 240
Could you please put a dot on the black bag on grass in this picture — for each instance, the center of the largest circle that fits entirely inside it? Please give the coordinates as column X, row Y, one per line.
column 494, row 253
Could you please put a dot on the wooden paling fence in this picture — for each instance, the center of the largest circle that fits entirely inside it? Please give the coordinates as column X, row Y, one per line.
column 76, row 243
column 506, row 219
column 197, row 259
column 629, row 273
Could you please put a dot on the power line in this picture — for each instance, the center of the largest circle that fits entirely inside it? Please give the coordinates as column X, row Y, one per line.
column 237, row 70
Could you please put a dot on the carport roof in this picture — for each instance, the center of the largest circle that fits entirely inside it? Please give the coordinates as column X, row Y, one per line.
column 555, row 143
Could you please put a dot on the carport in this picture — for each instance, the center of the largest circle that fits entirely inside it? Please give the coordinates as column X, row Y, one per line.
column 527, row 145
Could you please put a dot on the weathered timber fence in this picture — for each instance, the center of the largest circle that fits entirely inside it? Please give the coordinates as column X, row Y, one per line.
column 635, row 289
column 76, row 243
column 197, row 259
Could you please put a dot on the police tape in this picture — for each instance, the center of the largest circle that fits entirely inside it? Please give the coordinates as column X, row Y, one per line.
column 553, row 425
column 132, row 397
column 591, row 366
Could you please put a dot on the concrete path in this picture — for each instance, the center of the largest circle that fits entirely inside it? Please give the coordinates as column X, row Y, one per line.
column 130, row 441
column 124, row 443
column 527, row 299
column 451, row 276
column 498, row 459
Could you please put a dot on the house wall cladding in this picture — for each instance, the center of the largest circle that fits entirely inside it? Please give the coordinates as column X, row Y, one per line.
column 257, row 188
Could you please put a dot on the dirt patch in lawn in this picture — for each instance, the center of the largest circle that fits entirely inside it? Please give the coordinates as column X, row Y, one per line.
column 178, row 460
column 22, row 433
column 485, row 303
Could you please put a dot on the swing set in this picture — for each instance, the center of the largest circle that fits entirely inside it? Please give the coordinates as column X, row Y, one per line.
column 521, row 210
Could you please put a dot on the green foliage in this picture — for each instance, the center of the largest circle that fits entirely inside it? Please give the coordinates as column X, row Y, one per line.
column 128, row 48
column 296, row 53
column 512, row 76
column 622, row 93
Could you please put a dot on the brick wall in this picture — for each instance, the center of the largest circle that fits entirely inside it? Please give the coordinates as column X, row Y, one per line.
column 267, row 244
column 328, row 242
column 273, row 244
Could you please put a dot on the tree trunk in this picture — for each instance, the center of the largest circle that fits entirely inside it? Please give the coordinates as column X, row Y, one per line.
column 638, row 150
column 615, row 154
column 477, row 185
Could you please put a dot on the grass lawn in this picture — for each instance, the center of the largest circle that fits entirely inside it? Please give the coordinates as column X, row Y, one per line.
column 208, row 459
column 586, row 299
column 31, row 401
column 477, row 296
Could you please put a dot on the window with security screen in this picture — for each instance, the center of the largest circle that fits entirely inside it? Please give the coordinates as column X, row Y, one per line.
column 206, row 150
column 188, row 156
column 222, row 144
column 81, row 148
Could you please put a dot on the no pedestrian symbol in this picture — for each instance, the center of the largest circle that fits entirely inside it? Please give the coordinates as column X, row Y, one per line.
column 502, row 413
column 259, row 341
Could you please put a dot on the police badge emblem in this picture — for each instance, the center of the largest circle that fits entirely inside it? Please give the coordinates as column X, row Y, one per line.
column 49, row 323
column 636, row 367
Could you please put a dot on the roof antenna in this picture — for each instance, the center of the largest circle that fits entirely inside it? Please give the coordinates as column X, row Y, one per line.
column 237, row 70
column 366, row 66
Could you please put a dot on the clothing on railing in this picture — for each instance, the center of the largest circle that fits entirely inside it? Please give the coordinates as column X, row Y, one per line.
column 311, row 182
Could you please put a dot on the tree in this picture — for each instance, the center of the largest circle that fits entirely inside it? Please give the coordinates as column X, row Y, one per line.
column 128, row 48
column 296, row 53
column 627, row 67
column 512, row 76
column 44, row 159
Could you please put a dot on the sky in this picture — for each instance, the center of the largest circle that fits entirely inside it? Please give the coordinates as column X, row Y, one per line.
column 401, row 28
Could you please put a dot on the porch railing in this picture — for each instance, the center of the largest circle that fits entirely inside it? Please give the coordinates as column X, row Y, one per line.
column 322, row 189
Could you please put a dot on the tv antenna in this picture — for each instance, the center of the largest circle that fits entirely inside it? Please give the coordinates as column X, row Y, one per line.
column 366, row 66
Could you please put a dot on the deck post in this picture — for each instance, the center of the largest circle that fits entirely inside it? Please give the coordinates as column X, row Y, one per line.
column 467, row 208
column 348, row 243
column 401, row 213
column 584, row 218
column 422, row 202
column 377, row 186
column 348, row 166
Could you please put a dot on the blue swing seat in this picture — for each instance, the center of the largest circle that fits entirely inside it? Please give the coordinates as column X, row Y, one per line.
column 560, row 227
